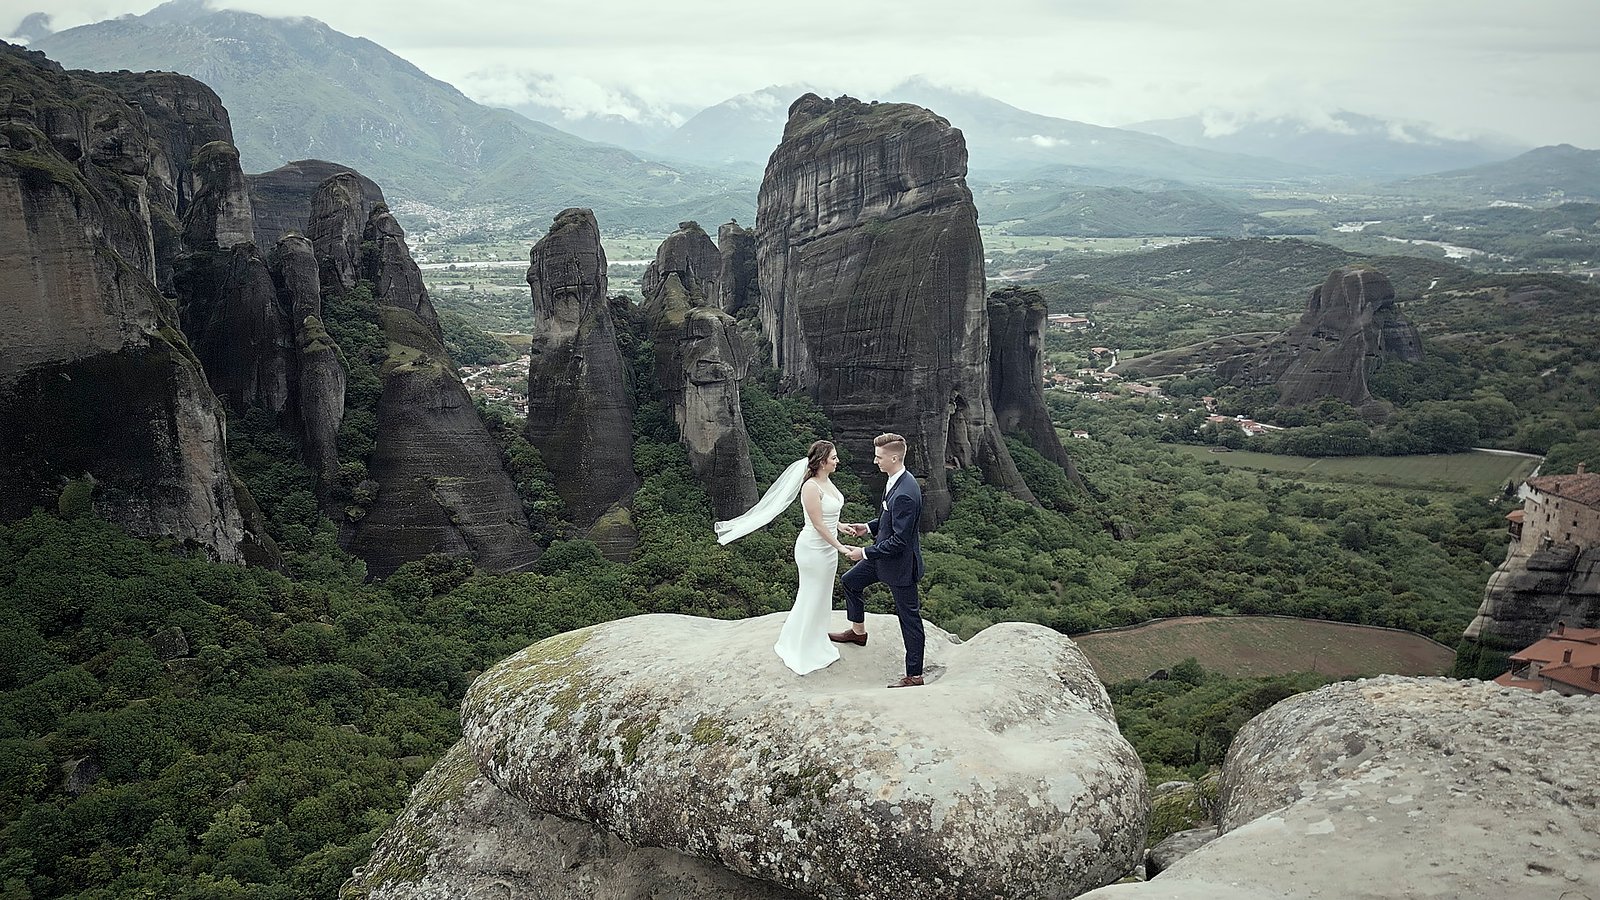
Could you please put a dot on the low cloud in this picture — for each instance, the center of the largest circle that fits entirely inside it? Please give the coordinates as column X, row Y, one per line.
column 32, row 27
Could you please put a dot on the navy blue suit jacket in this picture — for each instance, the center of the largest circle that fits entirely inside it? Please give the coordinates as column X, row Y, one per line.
column 897, row 547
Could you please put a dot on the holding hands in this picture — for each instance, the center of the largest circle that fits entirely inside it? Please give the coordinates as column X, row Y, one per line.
column 854, row 530
column 855, row 554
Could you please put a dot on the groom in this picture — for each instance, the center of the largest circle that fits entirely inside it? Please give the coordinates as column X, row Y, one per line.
column 894, row 559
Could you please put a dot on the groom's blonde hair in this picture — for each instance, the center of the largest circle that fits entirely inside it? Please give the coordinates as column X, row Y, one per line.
column 891, row 443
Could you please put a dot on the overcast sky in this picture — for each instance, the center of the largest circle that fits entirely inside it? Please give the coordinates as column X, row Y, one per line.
column 1529, row 69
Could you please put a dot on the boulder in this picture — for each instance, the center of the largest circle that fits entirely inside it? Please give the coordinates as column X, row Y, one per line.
column 739, row 284
column 872, row 287
column 700, row 361
column 1176, row 846
column 1016, row 372
column 460, row 836
column 580, row 405
column 1004, row 777
column 1350, row 325
column 1403, row 787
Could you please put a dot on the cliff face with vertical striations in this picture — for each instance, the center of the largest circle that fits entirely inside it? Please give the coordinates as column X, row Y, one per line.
column 441, row 484
column 1016, row 372
column 1350, row 324
column 96, row 379
column 739, row 284
column 697, row 262
column 280, row 200
column 580, row 408
column 700, row 361
column 872, row 286
column 319, row 388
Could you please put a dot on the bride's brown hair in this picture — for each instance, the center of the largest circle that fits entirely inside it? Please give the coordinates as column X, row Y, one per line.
column 816, row 456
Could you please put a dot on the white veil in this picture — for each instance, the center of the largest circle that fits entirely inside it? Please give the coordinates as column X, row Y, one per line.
column 774, row 501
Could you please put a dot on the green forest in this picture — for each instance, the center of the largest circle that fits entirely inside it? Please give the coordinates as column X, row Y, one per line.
column 182, row 728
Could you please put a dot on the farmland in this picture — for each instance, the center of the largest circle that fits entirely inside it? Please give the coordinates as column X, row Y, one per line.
column 1249, row 646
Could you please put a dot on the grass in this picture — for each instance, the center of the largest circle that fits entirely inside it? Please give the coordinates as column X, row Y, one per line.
column 1478, row 472
column 1250, row 646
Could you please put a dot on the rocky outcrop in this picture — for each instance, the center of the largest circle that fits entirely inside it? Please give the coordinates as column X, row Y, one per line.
column 580, row 406
column 1016, row 372
column 1349, row 326
column 460, row 836
column 872, row 287
column 1006, row 776
column 396, row 280
column 700, row 361
column 184, row 116
column 1402, row 787
column 320, row 377
column 337, row 223
column 1535, row 588
column 697, row 262
column 97, row 383
column 240, row 330
column 219, row 215
column 739, row 284
column 441, row 484
column 280, row 200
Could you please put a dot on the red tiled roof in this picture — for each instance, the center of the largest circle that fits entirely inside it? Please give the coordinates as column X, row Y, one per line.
column 1515, row 515
column 1583, row 642
column 1575, row 675
column 1583, row 487
column 1508, row 680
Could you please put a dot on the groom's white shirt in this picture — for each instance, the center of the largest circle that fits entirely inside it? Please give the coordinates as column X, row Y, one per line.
column 892, row 479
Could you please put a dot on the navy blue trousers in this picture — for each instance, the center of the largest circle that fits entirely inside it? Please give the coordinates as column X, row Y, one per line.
column 907, row 605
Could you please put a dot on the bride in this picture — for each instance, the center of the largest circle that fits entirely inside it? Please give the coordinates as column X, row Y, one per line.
column 803, row 645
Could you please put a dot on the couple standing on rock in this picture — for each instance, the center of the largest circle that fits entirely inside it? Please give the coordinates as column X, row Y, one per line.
column 894, row 558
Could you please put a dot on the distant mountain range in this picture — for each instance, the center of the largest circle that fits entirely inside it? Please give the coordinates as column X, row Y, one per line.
column 1002, row 140
column 296, row 88
column 1344, row 142
column 1561, row 172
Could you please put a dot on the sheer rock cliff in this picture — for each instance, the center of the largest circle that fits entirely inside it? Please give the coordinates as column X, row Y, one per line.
column 872, row 287
column 97, row 381
column 580, row 405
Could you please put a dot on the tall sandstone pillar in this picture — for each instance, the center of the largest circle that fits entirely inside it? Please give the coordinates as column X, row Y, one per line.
column 580, row 408
column 872, row 287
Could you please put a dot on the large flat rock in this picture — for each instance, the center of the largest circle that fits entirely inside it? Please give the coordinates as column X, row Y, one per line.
column 1403, row 787
column 1004, row 777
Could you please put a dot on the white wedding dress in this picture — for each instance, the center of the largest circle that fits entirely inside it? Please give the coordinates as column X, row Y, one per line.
column 803, row 644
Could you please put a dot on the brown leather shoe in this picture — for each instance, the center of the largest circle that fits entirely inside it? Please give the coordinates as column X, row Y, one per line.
column 908, row 681
column 848, row 636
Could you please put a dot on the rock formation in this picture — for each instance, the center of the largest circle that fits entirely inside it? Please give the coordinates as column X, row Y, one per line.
column 698, row 263
column 218, row 216
column 739, row 283
column 580, row 406
column 441, row 484
column 872, row 287
column 1551, row 573
column 700, row 361
column 96, row 380
column 460, row 836
column 280, row 200
column 320, row 376
column 337, row 223
column 1350, row 325
column 1016, row 372
column 684, row 734
column 1402, row 787
column 240, row 330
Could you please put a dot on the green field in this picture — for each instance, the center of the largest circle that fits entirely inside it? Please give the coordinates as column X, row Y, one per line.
column 1479, row 472
column 1249, row 646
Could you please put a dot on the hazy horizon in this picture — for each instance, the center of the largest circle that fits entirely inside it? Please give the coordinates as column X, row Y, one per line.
column 1464, row 68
